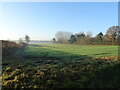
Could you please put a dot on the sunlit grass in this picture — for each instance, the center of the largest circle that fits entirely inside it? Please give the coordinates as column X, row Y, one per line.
column 89, row 50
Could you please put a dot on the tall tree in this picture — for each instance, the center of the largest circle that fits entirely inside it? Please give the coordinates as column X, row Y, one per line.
column 80, row 36
column 100, row 36
column 72, row 39
column 114, row 36
column 113, row 33
column 53, row 40
column 27, row 39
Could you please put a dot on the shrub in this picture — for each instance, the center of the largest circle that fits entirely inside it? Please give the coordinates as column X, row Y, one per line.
column 10, row 48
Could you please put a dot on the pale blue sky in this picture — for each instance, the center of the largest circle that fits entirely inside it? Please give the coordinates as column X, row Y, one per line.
column 42, row 20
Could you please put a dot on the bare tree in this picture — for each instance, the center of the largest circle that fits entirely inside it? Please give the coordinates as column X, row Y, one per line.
column 20, row 40
column 62, row 37
column 89, row 35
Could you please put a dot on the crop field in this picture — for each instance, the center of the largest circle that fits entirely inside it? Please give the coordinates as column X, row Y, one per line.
column 49, row 66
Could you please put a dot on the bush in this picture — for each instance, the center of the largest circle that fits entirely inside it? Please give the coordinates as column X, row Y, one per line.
column 10, row 48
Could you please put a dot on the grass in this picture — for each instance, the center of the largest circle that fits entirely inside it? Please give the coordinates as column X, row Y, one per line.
column 63, row 66
column 62, row 50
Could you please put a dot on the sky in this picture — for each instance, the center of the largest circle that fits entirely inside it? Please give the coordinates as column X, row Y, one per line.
column 41, row 20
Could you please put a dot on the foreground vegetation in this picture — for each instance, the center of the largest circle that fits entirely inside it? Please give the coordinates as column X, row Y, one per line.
column 49, row 66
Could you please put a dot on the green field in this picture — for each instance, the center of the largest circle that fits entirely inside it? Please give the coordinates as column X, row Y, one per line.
column 63, row 50
column 63, row 66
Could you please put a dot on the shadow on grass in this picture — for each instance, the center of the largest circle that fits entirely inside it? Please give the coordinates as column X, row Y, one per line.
column 47, row 53
column 41, row 55
column 107, row 77
column 101, row 53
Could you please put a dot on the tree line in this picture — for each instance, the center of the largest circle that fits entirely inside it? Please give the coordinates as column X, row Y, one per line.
column 111, row 37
